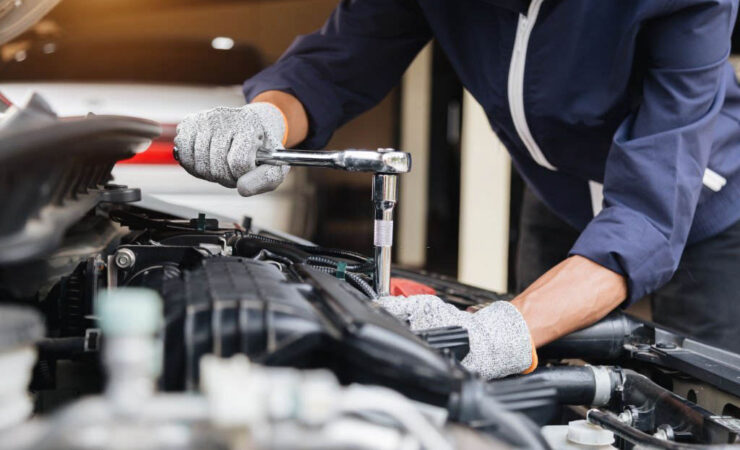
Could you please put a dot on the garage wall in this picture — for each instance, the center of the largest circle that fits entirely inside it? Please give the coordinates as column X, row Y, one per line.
column 268, row 25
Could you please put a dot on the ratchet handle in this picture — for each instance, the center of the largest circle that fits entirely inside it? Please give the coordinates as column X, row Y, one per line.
column 389, row 162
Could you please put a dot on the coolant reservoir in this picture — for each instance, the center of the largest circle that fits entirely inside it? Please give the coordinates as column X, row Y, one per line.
column 578, row 434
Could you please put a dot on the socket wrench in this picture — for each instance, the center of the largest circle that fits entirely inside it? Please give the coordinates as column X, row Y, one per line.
column 386, row 164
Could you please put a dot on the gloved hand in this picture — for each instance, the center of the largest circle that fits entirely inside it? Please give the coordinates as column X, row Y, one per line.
column 221, row 145
column 500, row 343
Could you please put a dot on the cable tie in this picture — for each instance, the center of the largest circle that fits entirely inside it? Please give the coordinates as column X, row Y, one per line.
column 341, row 270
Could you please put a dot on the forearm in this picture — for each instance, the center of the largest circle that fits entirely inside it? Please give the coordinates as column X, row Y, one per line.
column 294, row 112
column 574, row 294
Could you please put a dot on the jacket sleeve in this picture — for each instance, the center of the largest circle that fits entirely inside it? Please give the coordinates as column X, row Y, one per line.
column 656, row 164
column 349, row 65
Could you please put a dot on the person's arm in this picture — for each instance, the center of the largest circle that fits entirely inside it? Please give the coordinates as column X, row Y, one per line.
column 575, row 293
column 652, row 182
column 296, row 119
column 343, row 69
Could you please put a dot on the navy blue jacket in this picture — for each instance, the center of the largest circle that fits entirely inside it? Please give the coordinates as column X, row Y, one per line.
column 636, row 95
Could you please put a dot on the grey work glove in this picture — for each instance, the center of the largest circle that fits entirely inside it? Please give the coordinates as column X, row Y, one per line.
column 500, row 343
column 221, row 145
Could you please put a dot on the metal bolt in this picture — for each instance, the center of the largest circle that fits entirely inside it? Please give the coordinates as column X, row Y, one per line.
column 125, row 258
column 664, row 432
column 625, row 417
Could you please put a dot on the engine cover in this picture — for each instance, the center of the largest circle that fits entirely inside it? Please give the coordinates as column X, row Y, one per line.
column 310, row 319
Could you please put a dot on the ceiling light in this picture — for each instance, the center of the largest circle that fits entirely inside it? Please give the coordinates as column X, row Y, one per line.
column 222, row 43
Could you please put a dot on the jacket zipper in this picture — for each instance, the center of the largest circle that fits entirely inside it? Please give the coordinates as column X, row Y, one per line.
column 516, row 83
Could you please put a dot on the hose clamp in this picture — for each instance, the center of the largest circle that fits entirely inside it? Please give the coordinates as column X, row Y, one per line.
column 602, row 385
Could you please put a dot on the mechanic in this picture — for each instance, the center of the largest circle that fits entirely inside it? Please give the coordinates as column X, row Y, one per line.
column 623, row 122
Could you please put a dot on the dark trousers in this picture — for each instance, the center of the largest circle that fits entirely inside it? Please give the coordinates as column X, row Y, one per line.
column 702, row 299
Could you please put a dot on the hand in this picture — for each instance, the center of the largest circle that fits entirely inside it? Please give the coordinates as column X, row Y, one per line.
column 221, row 145
column 500, row 343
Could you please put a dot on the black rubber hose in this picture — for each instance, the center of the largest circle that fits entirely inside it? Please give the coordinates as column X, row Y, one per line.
column 353, row 279
column 603, row 341
column 250, row 248
column 569, row 385
column 367, row 267
column 59, row 348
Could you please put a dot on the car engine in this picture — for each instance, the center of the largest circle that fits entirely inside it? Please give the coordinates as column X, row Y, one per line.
column 127, row 325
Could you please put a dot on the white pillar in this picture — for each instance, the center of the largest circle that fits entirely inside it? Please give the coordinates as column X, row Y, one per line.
column 416, row 91
column 484, row 202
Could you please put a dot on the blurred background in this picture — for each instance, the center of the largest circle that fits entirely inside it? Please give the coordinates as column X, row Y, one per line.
column 165, row 59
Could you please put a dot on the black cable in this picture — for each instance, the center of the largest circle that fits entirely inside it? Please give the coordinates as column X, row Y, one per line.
column 289, row 253
column 477, row 407
column 353, row 279
column 367, row 267
column 278, row 258
column 315, row 249
column 516, row 428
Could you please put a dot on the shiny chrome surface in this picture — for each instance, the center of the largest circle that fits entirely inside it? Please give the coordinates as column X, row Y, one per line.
column 391, row 161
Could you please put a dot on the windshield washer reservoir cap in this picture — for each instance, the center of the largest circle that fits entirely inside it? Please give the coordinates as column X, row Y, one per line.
column 584, row 433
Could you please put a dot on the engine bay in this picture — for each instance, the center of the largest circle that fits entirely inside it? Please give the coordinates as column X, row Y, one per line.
column 141, row 328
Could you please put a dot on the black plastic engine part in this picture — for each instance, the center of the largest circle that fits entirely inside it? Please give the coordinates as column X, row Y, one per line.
column 230, row 305
column 452, row 340
column 234, row 305
column 69, row 305
column 152, row 264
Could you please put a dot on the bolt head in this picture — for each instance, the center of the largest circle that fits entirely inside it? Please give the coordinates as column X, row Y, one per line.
column 124, row 258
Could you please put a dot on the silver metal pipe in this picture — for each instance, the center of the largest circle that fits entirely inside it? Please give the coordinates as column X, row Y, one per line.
column 385, row 194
